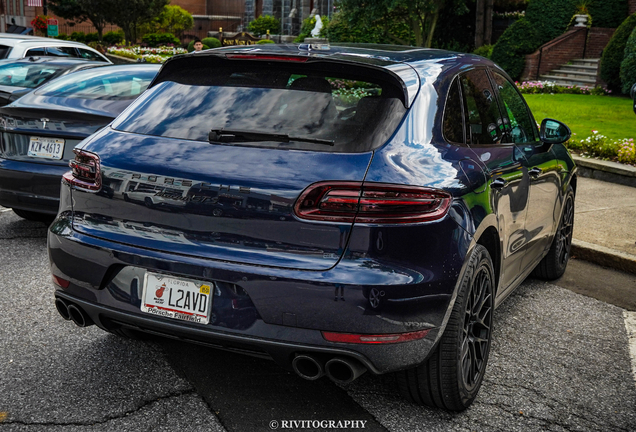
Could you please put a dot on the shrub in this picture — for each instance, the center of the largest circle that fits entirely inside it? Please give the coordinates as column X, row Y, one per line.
column 265, row 41
column 518, row 40
column 211, row 42
column 549, row 87
column 98, row 46
column 39, row 23
column 62, row 36
column 484, row 51
column 615, row 52
column 263, row 23
column 113, row 37
column 78, row 37
column 91, row 37
column 627, row 151
column 628, row 65
column 598, row 145
column 191, row 46
column 159, row 39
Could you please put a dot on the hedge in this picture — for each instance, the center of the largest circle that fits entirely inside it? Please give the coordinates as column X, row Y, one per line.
column 211, row 42
column 551, row 17
column 160, row 39
column 615, row 52
column 519, row 39
column 608, row 13
column 628, row 65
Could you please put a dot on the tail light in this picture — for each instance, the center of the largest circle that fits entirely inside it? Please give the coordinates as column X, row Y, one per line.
column 374, row 339
column 60, row 282
column 266, row 57
column 375, row 203
column 85, row 173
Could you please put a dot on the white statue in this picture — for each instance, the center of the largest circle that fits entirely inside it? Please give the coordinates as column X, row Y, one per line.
column 316, row 31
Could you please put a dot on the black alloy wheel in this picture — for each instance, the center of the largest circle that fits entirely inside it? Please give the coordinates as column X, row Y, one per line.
column 553, row 265
column 453, row 373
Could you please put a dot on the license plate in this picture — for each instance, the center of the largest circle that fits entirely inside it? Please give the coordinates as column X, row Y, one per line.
column 177, row 298
column 47, row 148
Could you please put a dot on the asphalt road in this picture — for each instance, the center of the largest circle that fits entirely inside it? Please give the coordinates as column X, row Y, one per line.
column 559, row 362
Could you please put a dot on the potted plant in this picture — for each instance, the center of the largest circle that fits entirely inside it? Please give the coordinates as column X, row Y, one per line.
column 582, row 16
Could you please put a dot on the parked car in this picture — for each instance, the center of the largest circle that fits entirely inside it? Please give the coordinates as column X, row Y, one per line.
column 13, row 46
column 632, row 93
column 39, row 131
column 412, row 192
column 18, row 77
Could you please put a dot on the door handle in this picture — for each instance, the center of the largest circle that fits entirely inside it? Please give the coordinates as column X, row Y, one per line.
column 498, row 183
column 535, row 172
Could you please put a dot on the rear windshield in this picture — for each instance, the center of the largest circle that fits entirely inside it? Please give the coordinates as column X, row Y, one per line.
column 27, row 74
column 102, row 84
column 320, row 107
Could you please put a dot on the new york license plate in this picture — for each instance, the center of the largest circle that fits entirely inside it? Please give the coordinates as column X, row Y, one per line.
column 177, row 298
column 47, row 148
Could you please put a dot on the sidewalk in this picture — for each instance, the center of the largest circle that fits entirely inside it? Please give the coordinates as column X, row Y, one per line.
column 605, row 224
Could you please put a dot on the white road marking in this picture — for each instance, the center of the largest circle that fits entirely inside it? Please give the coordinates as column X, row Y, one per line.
column 630, row 324
column 5, row 210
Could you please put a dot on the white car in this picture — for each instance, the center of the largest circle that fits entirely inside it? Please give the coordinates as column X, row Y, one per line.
column 14, row 46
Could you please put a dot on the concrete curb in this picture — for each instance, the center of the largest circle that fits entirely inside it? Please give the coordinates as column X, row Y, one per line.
column 604, row 256
column 607, row 171
column 124, row 60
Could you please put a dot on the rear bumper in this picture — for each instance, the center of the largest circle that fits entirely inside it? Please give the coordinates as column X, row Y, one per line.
column 290, row 307
column 30, row 186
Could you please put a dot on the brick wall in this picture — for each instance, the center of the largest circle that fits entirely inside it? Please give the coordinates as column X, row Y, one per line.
column 568, row 46
column 597, row 41
column 631, row 4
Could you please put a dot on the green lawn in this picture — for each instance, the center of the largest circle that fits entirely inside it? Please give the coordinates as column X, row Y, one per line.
column 611, row 116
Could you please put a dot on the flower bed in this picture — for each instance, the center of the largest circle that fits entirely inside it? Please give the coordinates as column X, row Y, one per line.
column 150, row 55
column 537, row 87
column 599, row 146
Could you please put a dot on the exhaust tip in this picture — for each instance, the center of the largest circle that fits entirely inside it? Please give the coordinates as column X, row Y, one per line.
column 307, row 367
column 343, row 371
column 62, row 308
column 79, row 317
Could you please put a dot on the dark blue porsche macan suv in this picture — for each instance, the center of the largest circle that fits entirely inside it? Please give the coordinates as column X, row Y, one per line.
column 337, row 209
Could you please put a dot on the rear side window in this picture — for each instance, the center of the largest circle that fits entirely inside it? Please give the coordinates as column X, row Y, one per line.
column 4, row 51
column 61, row 52
column 294, row 106
column 90, row 55
column 484, row 122
column 453, row 116
column 100, row 84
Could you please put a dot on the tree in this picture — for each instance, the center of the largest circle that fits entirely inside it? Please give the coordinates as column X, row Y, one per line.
column 174, row 19
column 94, row 11
column 419, row 15
column 129, row 14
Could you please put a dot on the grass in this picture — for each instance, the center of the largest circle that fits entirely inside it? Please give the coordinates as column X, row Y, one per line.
column 611, row 116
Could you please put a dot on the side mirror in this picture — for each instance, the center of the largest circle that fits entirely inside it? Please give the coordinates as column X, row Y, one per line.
column 554, row 132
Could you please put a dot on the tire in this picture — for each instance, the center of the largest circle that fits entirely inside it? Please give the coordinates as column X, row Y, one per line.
column 33, row 216
column 451, row 376
column 553, row 265
column 148, row 202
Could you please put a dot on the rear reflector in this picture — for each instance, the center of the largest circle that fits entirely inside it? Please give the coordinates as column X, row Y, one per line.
column 85, row 172
column 376, row 203
column 374, row 339
column 60, row 282
column 266, row 57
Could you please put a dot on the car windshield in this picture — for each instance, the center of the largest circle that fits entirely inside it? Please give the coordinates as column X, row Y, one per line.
column 269, row 105
column 30, row 75
column 101, row 83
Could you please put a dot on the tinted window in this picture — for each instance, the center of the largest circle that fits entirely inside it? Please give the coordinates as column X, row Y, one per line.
column 4, row 51
column 355, row 113
column 484, row 121
column 89, row 55
column 522, row 127
column 100, row 84
column 35, row 52
column 61, row 52
column 28, row 74
column 453, row 117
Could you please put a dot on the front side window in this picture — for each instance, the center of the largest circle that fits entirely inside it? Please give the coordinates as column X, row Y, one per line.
column 89, row 55
column 35, row 52
column 282, row 106
column 484, row 123
column 522, row 127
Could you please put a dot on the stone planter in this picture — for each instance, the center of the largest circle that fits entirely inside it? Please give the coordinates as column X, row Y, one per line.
column 581, row 20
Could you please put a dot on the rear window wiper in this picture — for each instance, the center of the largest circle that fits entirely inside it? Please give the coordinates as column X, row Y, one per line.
column 233, row 135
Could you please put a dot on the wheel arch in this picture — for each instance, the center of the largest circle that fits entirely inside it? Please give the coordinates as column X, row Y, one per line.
column 489, row 239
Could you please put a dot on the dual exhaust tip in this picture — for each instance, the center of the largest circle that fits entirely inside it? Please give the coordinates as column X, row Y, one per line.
column 340, row 370
column 72, row 312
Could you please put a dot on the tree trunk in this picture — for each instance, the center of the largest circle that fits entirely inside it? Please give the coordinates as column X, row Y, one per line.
column 417, row 30
column 488, row 23
column 431, row 29
column 479, row 23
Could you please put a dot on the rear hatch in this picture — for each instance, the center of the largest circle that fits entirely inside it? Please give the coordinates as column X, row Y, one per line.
column 211, row 159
